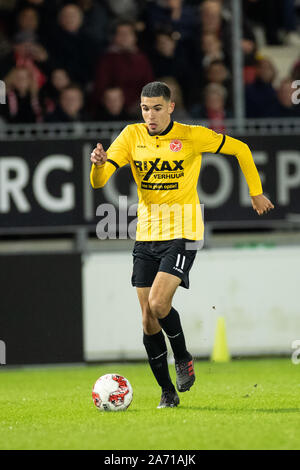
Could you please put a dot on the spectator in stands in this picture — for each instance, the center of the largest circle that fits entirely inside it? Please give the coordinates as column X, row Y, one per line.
column 261, row 99
column 95, row 22
column 26, row 52
column 123, row 66
column 49, row 93
column 22, row 104
column 46, row 11
column 211, row 17
column 286, row 108
column 180, row 113
column 213, row 109
column 217, row 72
column 213, row 21
column 72, row 49
column 28, row 21
column 175, row 15
column 211, row 49
column 112, row 109
column 70, row 107
column 169, row 59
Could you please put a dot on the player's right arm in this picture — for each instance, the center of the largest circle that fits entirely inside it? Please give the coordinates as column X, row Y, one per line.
column 100, row 173
column 104, row 164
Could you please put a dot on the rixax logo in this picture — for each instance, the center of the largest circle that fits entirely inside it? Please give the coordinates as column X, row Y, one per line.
column 296, row 94
column 2, row 92
column 160, row 169
column 2, row 353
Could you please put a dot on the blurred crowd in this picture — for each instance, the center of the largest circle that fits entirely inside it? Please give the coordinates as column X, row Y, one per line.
column 87, row 60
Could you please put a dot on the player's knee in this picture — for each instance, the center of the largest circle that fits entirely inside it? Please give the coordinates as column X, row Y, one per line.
column 150, row 323
column 159, row 307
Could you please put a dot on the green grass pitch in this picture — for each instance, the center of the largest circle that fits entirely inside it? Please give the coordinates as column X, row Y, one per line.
column 246, row 404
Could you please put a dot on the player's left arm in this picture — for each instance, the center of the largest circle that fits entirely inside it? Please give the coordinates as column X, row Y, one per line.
column 260, row 203
column 207, row 140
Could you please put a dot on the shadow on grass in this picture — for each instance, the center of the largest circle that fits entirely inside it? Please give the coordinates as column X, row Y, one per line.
column 119, row 412
column 241, row 410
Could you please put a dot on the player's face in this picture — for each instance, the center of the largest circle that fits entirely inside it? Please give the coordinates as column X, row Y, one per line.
column 156, row 113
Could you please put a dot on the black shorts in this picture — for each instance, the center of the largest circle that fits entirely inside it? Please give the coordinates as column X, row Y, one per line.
column 171, row 256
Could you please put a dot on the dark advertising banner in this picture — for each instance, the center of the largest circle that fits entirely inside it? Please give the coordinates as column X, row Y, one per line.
column 46, row 183
column 41, row 183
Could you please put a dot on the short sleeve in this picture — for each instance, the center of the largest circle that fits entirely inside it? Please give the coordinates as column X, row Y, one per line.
column 119, row 151
column 206, row 140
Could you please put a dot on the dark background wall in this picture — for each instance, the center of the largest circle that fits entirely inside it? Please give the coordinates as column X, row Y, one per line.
column 41, row 308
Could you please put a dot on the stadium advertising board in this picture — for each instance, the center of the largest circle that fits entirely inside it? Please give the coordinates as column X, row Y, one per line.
column 41, row 319
column 46, row 183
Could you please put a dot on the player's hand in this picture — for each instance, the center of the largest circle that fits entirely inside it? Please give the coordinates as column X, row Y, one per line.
column 261, row 204
column 98, row 155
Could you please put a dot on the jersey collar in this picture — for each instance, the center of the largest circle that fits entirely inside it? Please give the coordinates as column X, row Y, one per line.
column 166, row 131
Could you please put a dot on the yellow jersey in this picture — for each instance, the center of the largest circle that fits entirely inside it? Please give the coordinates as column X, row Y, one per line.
column 166, row 169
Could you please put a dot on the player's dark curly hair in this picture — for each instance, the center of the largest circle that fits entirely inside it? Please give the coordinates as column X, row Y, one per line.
column 155, row 89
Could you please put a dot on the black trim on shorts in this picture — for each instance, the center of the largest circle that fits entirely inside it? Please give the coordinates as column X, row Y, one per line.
column 222, row 143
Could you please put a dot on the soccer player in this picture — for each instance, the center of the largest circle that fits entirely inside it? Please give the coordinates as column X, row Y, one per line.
column 165, row 159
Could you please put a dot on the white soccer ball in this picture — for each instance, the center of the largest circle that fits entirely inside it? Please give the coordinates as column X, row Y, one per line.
column 112, row 392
